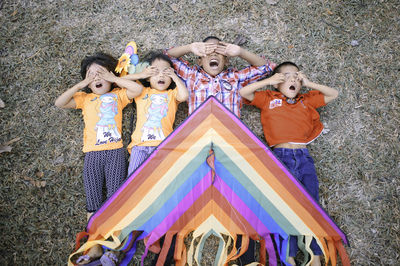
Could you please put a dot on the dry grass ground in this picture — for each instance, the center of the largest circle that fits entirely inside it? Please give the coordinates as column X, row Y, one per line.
column 350, row 45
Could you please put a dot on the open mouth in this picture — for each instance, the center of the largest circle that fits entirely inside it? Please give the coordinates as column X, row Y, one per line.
column 292, row 88
column 161, row 82
column 214, row 63
column 99, row 85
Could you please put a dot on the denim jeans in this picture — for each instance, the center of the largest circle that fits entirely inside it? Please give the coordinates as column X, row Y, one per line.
column 301, row 165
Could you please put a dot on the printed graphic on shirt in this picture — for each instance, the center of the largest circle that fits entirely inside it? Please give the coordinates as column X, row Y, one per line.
column 152, row 128
column 226, row 85
column 106, row 127
column 275, row 103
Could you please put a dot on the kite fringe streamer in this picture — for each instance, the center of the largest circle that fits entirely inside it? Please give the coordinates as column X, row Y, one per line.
column 330, row 247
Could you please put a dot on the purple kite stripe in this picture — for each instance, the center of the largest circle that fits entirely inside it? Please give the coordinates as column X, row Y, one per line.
column 181, row 208
column 121, row 188
column 241, row 207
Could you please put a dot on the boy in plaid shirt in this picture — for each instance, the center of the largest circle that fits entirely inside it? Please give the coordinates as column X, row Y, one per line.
column 210, row 77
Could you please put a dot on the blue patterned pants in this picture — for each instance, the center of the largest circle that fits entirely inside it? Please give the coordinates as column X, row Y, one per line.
column 102, row 166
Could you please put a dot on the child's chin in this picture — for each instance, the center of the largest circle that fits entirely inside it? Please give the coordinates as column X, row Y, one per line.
column 214, row 72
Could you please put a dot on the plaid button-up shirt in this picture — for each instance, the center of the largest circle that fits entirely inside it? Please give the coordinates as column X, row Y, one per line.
column 225, row 86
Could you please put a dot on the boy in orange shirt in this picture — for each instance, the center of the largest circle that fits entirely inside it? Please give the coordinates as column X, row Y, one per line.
column 290, row 122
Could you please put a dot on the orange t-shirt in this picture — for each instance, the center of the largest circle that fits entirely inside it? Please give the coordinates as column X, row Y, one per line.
column 102, row 115
column 289, row 123
column 155, row 117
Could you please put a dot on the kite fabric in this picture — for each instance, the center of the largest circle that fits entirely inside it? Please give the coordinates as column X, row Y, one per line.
column 213, row 176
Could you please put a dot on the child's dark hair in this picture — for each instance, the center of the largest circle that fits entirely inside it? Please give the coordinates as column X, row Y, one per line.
column 211, row 38
column 150, row 58
column 102, row 59
column 286, row 63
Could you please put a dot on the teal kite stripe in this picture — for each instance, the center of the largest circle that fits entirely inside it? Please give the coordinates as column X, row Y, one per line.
column 251, row 195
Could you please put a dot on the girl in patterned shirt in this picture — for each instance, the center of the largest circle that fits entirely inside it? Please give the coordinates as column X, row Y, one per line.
column 101, row 95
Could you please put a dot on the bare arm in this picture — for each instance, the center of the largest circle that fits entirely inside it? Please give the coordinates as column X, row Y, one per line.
column 197, row 48
column 248, row 91
column 146, row 73
column 66, row 100
column 329, row 93
column 229, row 49
column 134, row 89
column 183, row 93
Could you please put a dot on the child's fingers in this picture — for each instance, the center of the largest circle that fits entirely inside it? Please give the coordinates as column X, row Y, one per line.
column 89, row 74
column 281, row 76
column 278, row 78
column 152, row 71
column 101, row 70
column 301, row 75
column 87, row 80
column 223, row 43
column 167, row 71
column 209, row 48
column 221, row 50
column 170, row 72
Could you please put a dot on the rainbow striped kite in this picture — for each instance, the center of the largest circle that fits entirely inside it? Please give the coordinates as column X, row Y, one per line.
column 213, row 176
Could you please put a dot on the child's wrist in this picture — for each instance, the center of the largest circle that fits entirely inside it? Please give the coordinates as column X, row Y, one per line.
column 307, row 83
column 241, row 51
column 78, row 87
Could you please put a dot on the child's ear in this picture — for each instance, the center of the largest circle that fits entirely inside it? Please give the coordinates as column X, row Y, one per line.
column 226, row 61
column 199, row 61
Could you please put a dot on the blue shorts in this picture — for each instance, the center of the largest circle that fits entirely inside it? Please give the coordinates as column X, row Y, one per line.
column 301, row 165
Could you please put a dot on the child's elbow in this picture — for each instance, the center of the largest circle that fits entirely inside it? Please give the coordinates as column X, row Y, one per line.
column 335, row 94
column 58, row 104
column 246, row 96
column 139, row 86
column 183, row 98
column 332, row 96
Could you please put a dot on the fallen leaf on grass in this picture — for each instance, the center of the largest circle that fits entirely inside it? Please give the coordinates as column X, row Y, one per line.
column 5, row 147
column 35, row 183
column 174, row 7
column 2, row 105
column 272, row 2
column 39, row 174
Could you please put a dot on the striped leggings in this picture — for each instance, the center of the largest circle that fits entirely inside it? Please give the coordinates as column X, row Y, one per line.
column 100, row 166
column 138, row 155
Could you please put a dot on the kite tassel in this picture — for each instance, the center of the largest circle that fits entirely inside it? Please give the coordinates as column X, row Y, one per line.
column 79, row 237
column 211, row 163
column 165, row 248
column 270, row 249
column 342, row 253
